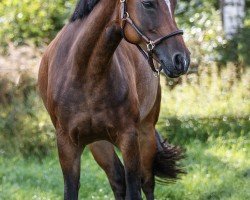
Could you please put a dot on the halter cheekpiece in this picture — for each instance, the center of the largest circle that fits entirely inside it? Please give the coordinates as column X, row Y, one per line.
column 151, row 44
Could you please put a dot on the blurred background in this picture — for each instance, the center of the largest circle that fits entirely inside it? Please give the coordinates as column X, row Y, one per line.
column 207, row 111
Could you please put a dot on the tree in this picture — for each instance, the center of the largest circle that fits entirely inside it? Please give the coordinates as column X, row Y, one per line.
column 233, row 13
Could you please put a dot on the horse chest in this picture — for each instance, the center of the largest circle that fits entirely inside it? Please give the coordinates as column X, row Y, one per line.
column 94, row 107
column 96, row 114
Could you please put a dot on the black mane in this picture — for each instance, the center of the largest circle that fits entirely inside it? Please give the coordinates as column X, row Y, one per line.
column 83, row 8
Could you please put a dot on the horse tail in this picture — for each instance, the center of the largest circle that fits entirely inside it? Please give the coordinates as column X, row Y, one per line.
column 166, row 164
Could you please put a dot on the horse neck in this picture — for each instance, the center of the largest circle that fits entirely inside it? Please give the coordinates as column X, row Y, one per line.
column 98, row 38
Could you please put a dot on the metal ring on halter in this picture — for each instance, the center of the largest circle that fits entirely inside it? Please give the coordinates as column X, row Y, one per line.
column 126, row 15
column 122, row 1
column 156, row 74
column 150, row 46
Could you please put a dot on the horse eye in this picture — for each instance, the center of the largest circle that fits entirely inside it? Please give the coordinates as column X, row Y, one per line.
column 148, row 4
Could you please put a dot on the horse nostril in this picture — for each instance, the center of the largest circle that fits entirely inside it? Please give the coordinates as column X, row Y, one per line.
column 179, row 62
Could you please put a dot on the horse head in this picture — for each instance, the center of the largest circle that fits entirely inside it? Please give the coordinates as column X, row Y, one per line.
column 151, row 25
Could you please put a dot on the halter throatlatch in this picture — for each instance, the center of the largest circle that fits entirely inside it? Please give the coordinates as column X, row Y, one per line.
column 151, row 44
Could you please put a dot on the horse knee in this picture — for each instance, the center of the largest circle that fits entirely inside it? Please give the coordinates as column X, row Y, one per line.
column 148, row 151
column 69, row 156
column 129, row 146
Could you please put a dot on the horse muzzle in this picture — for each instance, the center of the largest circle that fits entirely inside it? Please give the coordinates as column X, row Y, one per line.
column 178, row 66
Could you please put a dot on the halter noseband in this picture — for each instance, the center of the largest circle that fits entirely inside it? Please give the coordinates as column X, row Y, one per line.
column 151, row 44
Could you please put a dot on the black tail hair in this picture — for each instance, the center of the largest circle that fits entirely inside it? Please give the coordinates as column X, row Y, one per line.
column 166, row 164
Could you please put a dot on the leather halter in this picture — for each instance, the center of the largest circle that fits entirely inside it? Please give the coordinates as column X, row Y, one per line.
column 151, row 44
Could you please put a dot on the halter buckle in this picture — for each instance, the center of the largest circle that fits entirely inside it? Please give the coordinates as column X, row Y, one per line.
column 150, row 46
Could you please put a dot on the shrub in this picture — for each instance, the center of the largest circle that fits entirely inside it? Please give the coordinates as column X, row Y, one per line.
column 37, row 21
column 191, row 111
column 24, row 125
column 185, row 130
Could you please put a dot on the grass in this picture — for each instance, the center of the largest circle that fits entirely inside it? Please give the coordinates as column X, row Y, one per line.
column 217, row 169
column 211, row 120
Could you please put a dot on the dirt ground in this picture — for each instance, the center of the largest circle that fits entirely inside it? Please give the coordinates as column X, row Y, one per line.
column 19, row 60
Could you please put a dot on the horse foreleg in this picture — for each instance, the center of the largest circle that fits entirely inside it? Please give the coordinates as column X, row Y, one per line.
column 129, row 146
column 148, row 149
column 104, row 154
column 70, row 160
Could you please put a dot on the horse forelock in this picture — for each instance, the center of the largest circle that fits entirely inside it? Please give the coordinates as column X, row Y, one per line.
column 83, row 9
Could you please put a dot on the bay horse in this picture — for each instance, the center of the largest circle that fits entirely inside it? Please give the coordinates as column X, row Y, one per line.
column 99, row 81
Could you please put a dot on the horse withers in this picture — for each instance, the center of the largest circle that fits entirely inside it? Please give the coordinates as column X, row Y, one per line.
column 100, row 84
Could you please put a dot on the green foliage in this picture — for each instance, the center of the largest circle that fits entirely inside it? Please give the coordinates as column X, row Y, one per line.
column 237, row 49
column 25, row 128
column 206, row 107
column 37, row 21
column 201, row 21
column 184, row 130
column 197, row 109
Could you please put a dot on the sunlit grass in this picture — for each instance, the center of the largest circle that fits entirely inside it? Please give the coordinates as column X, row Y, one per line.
column 212, row 175
column 213, row 96
column 211, row 120
column 216, row 170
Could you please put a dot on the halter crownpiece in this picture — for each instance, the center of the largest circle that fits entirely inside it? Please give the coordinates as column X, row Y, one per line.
column 151, row 44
